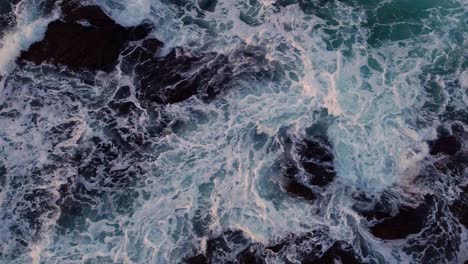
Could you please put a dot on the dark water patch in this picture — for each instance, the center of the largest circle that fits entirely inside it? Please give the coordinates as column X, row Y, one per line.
column 7, row 18
column 300, row 190
column 207, row 5
column 402, row 20
column 122, row 93
column 3, row 172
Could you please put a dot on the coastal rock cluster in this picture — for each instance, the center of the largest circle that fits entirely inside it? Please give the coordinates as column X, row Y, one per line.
column 85, row 39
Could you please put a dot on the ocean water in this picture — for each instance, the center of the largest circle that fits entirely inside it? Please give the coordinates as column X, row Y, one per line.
column 81, row 183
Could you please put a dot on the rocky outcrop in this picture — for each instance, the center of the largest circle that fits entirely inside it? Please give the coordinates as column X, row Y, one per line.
column 226, row 247
column 339, row 251
column 85, row 38
column 307, row 163
column 178, row 75
column 448, row 145
column 460, row 206
column 408, row 220
column 183, row 73
column 232, row 246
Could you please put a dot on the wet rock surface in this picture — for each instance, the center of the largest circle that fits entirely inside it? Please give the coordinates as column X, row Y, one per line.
column 234, row 247
column 408, row 220
column 308, row 164
column 84, row 38
column 179, row 75
column 340, row 252
column 460, row 206
column 448, row 145
column 372, row 208
column 225, row 247
column 317, row 160
column 182, row 73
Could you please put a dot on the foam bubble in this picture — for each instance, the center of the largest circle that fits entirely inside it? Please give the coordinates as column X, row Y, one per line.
column 463, row 79
column 128, row 12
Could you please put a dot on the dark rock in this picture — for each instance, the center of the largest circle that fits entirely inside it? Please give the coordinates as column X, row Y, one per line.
column 446, row 145
column 407, row 221
column 308, row 162
column 460, row 207
column 123, row 108
column 339, row 252
column 135, row 55
column 301, row 241
column 180, row 75
column 234, row 247
column 85, row 38
column 374, row 209
column 309, row 249
column 227, row 247
column 300, row 190
column 250, row 256
column 198, row 259
column 230, row 242
column 317, row 160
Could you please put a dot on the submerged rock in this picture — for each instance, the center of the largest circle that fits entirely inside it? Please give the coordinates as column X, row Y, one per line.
column 408, row 220
column 339, row 252
column 223, row 248
column 308, row 163
column 234, row 247
column 182, row 73
column 84, row 38
column 317, row 160
column 299, row 189
column 445, row 145
column 374, row 209
column 460, row 206
column 198, row 259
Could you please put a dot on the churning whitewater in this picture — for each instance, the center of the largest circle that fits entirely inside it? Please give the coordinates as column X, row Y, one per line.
column 249, row 131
